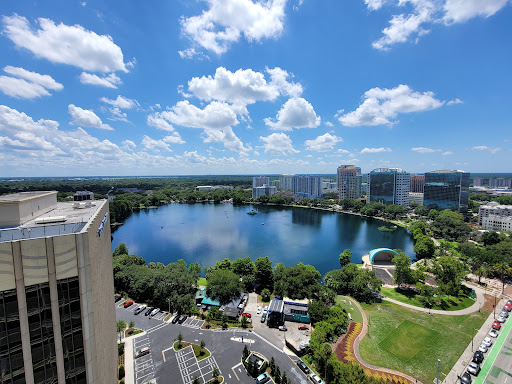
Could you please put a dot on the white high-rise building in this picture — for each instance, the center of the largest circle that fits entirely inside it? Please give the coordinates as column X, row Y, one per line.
column 497, row 212
column 349, row 182
column 268, row 190
column 307, row 186
column 260, row 181
column 286, row 182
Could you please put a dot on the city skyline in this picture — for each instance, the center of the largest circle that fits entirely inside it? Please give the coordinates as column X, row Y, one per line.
column 252, row 87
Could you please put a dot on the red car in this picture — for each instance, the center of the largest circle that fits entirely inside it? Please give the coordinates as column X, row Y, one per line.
column 128, row 303
column 496, row 325
column 246, row 314
column 508, row 307
column 303, row 327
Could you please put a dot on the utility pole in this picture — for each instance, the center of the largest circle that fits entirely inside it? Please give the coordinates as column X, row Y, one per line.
column 438, row 369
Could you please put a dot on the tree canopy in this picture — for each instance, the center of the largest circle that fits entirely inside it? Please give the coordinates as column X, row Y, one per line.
column 223, row 285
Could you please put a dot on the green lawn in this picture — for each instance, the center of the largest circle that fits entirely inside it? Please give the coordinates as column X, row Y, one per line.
column 407, row 340
column 409, row 297
column 382, row 343
column 350, row 307
column 201, row 282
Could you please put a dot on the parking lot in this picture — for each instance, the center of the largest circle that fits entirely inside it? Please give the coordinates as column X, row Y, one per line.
column 190, row 368
column 193, row 323
column 144, row 365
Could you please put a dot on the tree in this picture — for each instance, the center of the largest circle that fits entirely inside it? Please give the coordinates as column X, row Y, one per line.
column 245, row 269
column 131, row 325
column 196, row 380
column 180, row 339
column 450, row 226
column 490, row 238
column 345, row 257
column 223, row 285
column 402, row 273
column 265, row 295
column 300, row 281
column 449, row 273
column 503, row 270
column 174, row 285
column 432, row 214
column 421, row 210
column 245, row 353
column 244, row 321
column 263, row 273
column 264, row 199
column 120, row 327
column 216, row 374
column 194, row 269
column 121, row 249
column 318, row 311
column 203, row 344
column 424, row 247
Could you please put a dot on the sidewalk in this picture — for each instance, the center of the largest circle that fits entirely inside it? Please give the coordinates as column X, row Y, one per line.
column 129, row 371
column 466, row 357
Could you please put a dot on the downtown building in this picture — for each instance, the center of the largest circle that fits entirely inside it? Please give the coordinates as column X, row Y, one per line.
column 349, row 182
column 446, row 189
column 57, row 318
column 286, row 182
column 260, row 181
column 495, row 217
column 389, row 186
column 309, row 186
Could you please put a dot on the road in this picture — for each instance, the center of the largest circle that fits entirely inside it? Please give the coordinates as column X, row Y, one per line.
column 226, row 348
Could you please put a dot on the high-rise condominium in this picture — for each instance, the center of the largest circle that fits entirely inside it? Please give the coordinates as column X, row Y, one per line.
column 447, row 189
column 57, row 318
column 307, row 186
column 389, row 186
column 260, row 181
column 349, row 182
column 286, row 182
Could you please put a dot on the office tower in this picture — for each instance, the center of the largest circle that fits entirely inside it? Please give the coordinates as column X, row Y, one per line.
column 349, row 182
column 268, row 190
column 286, row 182
column 260, row 181
column 417, row 183
column 307, row 186
column 477, row 182
column 494, row 216
column 389, row 186
column 446, row 189
column 57, row 318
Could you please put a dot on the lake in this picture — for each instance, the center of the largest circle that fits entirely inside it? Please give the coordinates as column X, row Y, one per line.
column 207, row 233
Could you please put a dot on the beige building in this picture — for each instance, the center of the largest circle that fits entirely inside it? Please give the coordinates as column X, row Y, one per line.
column 57, row 320
column 495, row 210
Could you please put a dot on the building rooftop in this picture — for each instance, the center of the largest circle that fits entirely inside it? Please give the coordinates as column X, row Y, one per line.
column 21, row 196
column 65, row 218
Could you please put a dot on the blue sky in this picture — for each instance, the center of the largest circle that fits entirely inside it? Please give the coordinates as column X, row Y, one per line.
column 254, row 87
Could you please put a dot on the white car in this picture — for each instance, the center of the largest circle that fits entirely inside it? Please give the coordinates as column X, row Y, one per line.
column 487, row 341
column 258, row 311
column 494, row 333
column 483, row 348
column 315, row 379
column 154, row 312
column 501, row 319
column 265, row 310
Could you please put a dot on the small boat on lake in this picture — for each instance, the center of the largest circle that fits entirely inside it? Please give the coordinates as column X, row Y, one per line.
column 252, row 212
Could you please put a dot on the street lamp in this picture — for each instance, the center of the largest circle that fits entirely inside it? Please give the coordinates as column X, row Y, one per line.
column 472, row 338
column 169, row 302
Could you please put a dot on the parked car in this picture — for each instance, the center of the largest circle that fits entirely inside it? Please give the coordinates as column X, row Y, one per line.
column 496, row 325
column 487, row 341
column 247, row 314
column 175, row 319
column 265, row 309
column 304, row 344
column 148, row 311
column 303, row 367
column 155, row 312
column 478, row 357
column 182, row 319
column 263, row 378
column 117, row 298
column 494, row 333
column 315, row 379
column 142, row 352
column 263, row 317
column 501, row 319
column 504, row 313
column 128, row 303
column 283, row 328
column 483, row 348
column 258, row 311
column 303, row 327
column 509, row 302
column 465, row 378
column 474, row 368
column 139, row 310
column 508, row 306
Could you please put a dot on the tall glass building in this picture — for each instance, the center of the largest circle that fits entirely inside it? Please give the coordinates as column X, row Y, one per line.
column 446, row 189
column 389, row 186
column 57, row 320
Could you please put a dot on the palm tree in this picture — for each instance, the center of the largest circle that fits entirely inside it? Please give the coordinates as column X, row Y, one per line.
column 481, row 271
column 503, row 270
column 120, row 327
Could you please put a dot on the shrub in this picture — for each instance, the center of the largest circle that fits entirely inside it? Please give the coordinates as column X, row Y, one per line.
column 120, row 373
column 120, row 349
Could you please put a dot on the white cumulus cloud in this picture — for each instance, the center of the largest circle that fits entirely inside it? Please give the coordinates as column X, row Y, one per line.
column 486, row 148
column 26, row 84
column 45, row 81
column 86, row 118
column 458, row 11
column 65, row 44
column 110, row 81
column 225, row 21
column 278, row 144
column 323, row 143
column 424, row 150
column 381, row 106
column 129, row 145
column 295, row 113
column 152, row 144
column 374, row 150
column 121, row 102
column 175, row 138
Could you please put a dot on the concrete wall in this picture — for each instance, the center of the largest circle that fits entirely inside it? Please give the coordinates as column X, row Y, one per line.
column 16, row 212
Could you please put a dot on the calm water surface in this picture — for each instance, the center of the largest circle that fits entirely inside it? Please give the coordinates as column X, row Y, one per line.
column 207, row 233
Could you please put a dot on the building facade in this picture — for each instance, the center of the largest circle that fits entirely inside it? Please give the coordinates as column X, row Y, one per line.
column 446, row 189
column 268, row 190
column 389, row 186
column 57, row 318
column 286, row 182
column 309, row 186
column 349, row 182
column 500, row 182
column 417, row 197
column 260, row 181
column 477, row 182
column 417, row 183
column 495, row 210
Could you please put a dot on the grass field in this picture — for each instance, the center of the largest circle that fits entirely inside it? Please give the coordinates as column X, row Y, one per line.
column 407, row 340
column 454, row 334
column 409, row 297
column 350, row 307
column 201, row 282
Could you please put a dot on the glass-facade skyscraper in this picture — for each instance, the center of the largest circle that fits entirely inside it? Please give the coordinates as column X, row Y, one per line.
column 389, row 186
column 446, row 189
